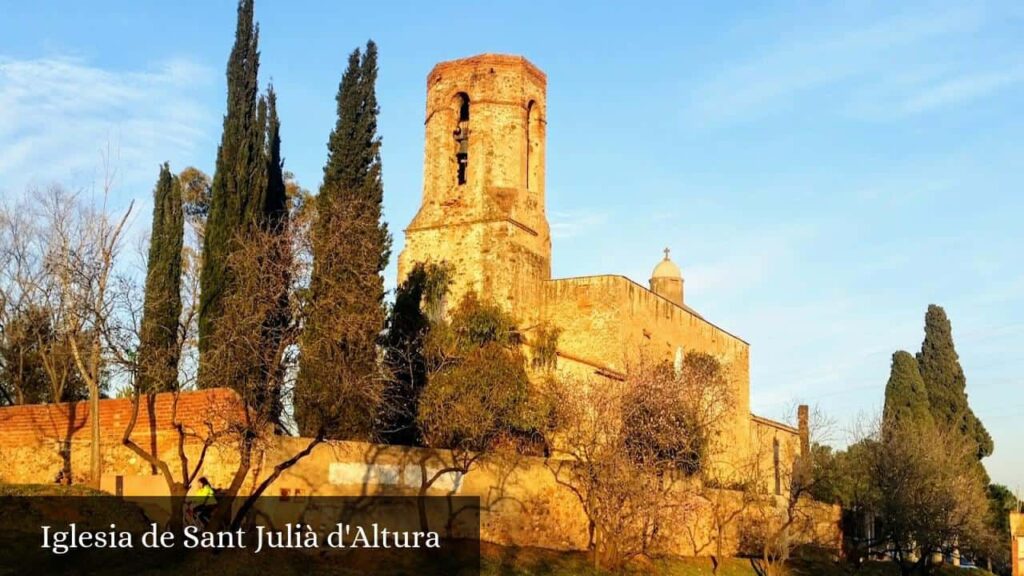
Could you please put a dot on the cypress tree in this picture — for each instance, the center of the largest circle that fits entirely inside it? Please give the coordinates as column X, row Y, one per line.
column 158, row 343
column 945, row 382
column 275, row 201
column 351, row 246
column 248, row 196
column 906, row 399
column 417, row 301
column 272, row 216
column 239, row 176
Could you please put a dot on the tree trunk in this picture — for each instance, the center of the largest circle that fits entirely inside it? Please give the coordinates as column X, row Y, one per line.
column 718, row 549
column 176, row 523
column 95, row 465
column 250, row 500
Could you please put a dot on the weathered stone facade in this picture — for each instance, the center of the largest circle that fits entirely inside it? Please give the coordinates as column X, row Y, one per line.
column 483, row 213
column 488, row 222
column 523, row 501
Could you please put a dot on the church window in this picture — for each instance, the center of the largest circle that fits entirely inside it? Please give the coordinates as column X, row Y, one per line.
column 531, row 114
column 461, row 135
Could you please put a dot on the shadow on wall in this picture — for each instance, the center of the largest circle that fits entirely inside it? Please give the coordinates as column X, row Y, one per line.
column 521, row 501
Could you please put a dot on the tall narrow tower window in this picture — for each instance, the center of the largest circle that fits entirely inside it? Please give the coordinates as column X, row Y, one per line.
column 529, row 144
column 461, row 135
column 534, row 144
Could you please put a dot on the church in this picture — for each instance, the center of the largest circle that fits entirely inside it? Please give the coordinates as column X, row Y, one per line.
column 483, row 212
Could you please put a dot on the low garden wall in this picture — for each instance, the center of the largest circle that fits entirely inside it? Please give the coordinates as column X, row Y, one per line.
column 523, row 501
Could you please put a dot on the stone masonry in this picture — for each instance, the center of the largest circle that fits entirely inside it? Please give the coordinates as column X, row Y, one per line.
column 483, row 213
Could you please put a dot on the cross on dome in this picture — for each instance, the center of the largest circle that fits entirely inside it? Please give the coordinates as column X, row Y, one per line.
column 666, row 268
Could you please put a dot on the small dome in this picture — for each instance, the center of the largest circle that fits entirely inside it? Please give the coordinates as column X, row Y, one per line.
column 666, row 268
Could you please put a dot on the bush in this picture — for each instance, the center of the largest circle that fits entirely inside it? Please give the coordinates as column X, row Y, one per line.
column 478, row 390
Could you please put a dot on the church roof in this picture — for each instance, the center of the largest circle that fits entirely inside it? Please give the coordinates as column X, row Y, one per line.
column 666, row 268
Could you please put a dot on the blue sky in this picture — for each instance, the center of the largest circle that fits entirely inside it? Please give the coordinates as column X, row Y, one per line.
column 822, row 172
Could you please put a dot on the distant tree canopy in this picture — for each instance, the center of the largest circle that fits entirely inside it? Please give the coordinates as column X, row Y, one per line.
column 906, row 398
column 851, row 481
column 946, row 384
column 36, row 362
column 195, row 192
column 1001, row 502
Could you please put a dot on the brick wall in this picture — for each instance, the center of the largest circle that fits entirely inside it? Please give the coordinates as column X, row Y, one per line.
column 44, row 423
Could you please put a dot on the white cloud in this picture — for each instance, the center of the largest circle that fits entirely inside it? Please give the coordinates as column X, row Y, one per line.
column 60, row 117
column 748, row 259
column 878, row 68
column 573, row 223
column 960, row 89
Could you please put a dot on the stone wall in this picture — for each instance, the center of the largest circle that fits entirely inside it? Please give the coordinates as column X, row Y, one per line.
column 606, row 320
column 523, row 502
column 767, row 439
column 492, row 229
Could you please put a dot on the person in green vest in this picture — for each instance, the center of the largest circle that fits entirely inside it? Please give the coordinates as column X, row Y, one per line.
column 204, row 500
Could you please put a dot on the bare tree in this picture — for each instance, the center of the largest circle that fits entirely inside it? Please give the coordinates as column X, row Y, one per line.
column 189, row 469
column 63, row 254
column 253, row 325
column 779, row 521
column 36, row 361
column 82, row 256
column 262, row 319
column 631, row 450
column 62, row 261
column 590, row 459
column 726, row 494
column 36, row 364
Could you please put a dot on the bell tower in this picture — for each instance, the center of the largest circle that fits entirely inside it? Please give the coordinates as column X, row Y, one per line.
column 482, row 210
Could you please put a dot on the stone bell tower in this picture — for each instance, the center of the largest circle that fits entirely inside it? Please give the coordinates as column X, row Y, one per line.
column 483, row 181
